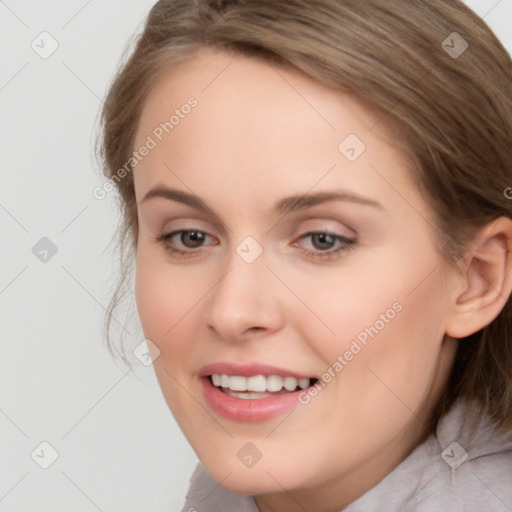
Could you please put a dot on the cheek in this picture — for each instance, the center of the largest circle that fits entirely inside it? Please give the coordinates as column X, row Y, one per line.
column 384, row 318
column 382, row 367
column 395, row 369
column 166, row 298
column 353, row 302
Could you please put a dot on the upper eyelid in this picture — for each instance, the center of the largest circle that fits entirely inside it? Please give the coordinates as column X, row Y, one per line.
column 196, row 224
column 326, row 232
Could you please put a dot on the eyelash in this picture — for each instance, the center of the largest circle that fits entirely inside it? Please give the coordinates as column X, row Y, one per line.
column 347, row 244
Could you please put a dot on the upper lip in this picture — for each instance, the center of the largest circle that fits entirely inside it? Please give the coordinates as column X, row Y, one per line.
column 248, row 370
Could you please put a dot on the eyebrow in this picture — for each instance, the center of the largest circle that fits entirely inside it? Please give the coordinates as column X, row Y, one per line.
column 284, row 206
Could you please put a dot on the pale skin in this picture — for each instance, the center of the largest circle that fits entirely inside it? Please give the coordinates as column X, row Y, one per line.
column 251, row 141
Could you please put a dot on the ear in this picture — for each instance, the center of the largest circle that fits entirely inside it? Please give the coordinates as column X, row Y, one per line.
column 486, row 280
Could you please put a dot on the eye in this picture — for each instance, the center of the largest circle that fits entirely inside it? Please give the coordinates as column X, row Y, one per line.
column 327, row 245
column 190, row 239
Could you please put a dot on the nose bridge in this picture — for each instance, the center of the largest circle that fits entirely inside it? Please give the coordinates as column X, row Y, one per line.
column 244, row 300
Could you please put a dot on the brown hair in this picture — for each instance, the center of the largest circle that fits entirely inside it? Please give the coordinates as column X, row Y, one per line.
column 454, row 108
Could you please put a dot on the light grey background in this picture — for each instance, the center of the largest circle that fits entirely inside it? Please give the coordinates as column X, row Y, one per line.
column 118, row 446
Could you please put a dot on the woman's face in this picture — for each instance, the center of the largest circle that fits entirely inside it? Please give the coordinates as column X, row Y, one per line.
column 282, row 242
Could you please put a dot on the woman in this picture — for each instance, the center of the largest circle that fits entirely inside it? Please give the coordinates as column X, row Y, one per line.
column 316, row 197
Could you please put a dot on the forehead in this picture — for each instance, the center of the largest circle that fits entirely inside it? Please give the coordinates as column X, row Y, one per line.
column 251, row 94
column 259, row 127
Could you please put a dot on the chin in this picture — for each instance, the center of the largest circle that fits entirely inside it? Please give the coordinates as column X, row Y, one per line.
column 262, row 478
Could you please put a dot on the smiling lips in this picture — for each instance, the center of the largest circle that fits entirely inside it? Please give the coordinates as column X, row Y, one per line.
column 251, row 393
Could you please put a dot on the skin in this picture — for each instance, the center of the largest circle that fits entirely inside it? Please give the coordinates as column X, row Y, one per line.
column 257, row 135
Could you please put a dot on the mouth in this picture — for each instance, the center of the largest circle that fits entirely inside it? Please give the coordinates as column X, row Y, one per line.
column 259, row 386
column 252, row 393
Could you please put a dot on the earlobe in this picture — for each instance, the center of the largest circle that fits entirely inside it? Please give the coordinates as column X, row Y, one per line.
column 487, row 278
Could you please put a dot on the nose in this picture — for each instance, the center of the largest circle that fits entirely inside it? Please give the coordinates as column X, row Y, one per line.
column 245, row 303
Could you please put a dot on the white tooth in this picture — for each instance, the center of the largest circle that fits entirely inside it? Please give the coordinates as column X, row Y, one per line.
column 290, row 383
column 237, row 383
column 274, row 383
column 247, row 395
column 257, row 383
column 303, row 383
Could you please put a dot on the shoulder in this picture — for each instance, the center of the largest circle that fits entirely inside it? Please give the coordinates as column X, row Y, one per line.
column 466, row 466
column 478, row 459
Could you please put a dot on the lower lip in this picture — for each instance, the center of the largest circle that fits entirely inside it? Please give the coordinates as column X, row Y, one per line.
column 247, row 410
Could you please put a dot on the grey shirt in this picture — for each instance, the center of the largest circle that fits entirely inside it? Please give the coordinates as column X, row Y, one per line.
column 466, row 466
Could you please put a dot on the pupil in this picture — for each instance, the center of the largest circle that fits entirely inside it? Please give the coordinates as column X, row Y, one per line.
column 192, row 238
column 322, row 240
